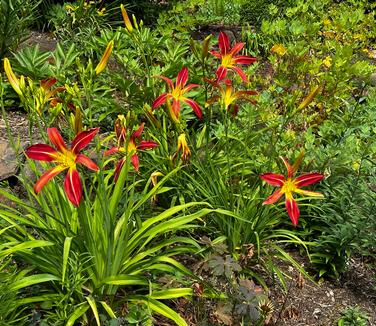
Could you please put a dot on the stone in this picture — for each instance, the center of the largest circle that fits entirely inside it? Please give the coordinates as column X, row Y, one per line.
column 8, row 161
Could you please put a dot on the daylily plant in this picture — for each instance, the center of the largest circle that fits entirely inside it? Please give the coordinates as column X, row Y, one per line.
column 291, row 185
column 66, row 159
column 228, row 96
column 229, row 58
column 128, row 147
column 177, row 94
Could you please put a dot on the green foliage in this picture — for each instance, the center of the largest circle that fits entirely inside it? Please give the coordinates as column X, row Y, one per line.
column 77, row 22
column 254, row 12
column 101, row 262
column 32, row 62
column 110, row 244
column 16, row 17
column 219, row 11
column 353, row 316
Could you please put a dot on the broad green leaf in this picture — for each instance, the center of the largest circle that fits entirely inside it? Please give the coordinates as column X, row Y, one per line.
column 93, row 306
column 108, row 309
column 26, row 245
column 32, row 280
column 171, row 293
column 123, row 279
column 161, row 308
column 77, row 314
column 67, row 244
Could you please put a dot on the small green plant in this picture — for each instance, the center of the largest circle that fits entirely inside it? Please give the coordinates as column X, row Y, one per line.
column 353, row 316
column 16, row 17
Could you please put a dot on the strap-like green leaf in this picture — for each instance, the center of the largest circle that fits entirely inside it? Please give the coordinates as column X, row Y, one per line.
column 67, row 244
column 108, row 309
column 26, row 245
column 93, row 306
column 161, row 308
column 171, row 293
column 77, row 314
column 32, row 280
column 123, row 279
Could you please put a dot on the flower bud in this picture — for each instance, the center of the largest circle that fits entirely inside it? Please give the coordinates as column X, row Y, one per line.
column 102, row 64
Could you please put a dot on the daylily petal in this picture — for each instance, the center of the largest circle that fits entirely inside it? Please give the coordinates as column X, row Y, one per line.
column 138, row 132
column 112, row 151
column 289, row 168
column 273, row 198
column 135, row 162
column 308, row 179
column 223, row 42
column 216, row 54
column 244, row 59
column 242, row 93
column 83, row 139
column 42, row 152
column 237, row 48
column 297, row 162
column 212, row 100
column 233, row 109
column 189, row 87
column 182, row 77
column 118, row 168
column 221, row 73
column 86, row 161
column 147, row 144
column 73, row 187
column 309, row 193
column 292, row 210
column 56, row 139
column 195, row 107
column 48, row 83
column 240, row 73
column 176, row 108
column 276, row 180
column 159, row 100
column 168, row 81
column 47, row 176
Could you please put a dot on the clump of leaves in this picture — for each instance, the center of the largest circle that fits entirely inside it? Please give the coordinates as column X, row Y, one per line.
column 353, row 316
column 242, row 297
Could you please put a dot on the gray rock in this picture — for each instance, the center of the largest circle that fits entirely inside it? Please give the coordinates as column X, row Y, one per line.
column 8, row 161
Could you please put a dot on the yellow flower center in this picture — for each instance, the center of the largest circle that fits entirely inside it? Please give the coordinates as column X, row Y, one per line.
column 228, row 97
column 227, row 61
column 131, row 148
column 67, row 159
column 176, row 93
column 289, row 187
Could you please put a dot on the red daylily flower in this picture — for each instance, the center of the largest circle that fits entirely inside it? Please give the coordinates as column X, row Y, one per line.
column 66, row 159
column 289, row 186
column 229, row 58
column 228, row 96
column 177, row 93
column 47, row 94
column 129, row 147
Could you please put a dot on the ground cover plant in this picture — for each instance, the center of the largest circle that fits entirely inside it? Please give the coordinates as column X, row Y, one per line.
column 177, row 169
